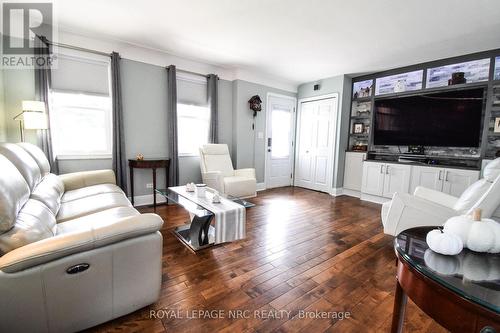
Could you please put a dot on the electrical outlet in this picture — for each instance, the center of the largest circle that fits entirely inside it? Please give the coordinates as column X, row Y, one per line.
column 149, row 185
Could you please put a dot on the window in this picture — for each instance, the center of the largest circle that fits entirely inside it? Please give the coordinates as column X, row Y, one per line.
column 192, row 128
column 81, row 124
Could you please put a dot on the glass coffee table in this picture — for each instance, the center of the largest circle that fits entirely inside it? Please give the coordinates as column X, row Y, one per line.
column 194, row 235
column 461, row 293
column 200, row 233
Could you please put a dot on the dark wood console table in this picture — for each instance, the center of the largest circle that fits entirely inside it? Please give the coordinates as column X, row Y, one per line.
column 148, row 163
column 460, row 299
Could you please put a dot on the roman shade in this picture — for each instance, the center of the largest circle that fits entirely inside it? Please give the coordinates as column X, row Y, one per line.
column 80, row 72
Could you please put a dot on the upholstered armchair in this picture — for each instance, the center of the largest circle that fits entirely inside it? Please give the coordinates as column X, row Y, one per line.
column 427, row 207
column 218, row 173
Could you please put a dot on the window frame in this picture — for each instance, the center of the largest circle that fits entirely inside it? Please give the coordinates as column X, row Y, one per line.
column 195, row 153
column 76, row 155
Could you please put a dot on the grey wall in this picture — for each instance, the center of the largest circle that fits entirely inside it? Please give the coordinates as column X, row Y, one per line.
column 3, row 128
column 342, row 85
column 248, row 149
column 18, row 85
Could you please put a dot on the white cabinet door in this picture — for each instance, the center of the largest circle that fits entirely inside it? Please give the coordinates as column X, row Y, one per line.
column 397, row 179
column 353, row 171
column 373, row 178
column 456, row 181
column 429, row 177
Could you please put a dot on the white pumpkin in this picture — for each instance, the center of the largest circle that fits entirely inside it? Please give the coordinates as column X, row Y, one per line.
column 446, row 265
column 444, row 243
column 480, row 235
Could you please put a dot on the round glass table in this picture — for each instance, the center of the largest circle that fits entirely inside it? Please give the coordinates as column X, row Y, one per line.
column 461, row 293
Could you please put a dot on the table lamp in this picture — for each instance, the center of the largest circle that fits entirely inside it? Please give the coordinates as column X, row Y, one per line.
column 33, row 117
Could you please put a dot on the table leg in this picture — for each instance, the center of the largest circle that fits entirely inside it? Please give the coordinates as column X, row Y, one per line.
column 166, row 178
column 132, row 185
column 154, row 189
column 398, row 314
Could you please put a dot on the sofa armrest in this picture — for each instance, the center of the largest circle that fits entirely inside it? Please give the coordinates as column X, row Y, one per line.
column 435, row 196
column 408, row 211
column 76, row 180
column 213, row 179
column 248, row 172
column 59, row 246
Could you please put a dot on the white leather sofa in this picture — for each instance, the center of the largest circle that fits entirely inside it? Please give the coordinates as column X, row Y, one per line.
column 427, row 207
column 218, row 173
column 74, row 252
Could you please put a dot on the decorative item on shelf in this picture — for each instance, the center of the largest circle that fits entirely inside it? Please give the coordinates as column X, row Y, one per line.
column 201, row 190
column 366, row 129
column 357, row 128
column 496, row 129
column 472, row 266
column 480, row 235
column 359, row 147
column 400, row 86
column 190, row 187
column 216, row 197
column 417, row 150
column 255, row 104
column 457, row 78
column 444, row 243
column 33, row 117
column 139, row 157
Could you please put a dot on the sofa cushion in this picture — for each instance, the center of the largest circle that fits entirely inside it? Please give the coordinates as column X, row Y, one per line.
column 492, row 170
column 104, row 217
column 92, row 204
column 38, row 155
column 239, row 186
column 14, row 192
column 471, row 195
column 23, row 162
column 90, row 191
column 49, row 191
column 34, row 222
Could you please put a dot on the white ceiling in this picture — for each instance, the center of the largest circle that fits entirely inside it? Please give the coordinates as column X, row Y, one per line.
column 295, row 40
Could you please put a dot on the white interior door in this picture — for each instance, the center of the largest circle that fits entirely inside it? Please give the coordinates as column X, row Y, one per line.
column 315, row 142
column 280, row 135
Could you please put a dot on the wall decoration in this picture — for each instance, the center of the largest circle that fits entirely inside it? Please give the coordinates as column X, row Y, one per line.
column 362, row 89
column 255, row 104
column 496, row 129
column 496, row 76
column 399, row 83
column 474, row 71
column 358, row 128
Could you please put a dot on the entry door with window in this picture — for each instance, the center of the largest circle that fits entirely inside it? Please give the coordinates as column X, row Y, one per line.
column 280, row 134
column 316, row 125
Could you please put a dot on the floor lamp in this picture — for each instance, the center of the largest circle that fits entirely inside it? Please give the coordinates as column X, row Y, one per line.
column 33, row 117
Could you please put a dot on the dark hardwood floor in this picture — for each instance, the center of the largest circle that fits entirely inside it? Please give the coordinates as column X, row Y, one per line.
column 304, row 251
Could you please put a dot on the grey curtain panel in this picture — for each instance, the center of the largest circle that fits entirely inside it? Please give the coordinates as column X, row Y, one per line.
column 213, row 104
column 119, row 162
column 173, row 152
column 42, row 86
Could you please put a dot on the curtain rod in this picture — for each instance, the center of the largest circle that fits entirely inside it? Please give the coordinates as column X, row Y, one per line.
column 189, row 72
column 77, row 48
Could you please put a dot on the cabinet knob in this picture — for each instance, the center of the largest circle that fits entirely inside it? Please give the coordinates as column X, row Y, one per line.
column 487, row 329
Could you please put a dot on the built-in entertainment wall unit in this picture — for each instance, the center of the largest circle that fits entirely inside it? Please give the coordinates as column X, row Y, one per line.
column 433, row 124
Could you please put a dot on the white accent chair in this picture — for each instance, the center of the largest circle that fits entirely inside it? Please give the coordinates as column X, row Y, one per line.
column 427, row 207
column 74, row 253
column 218, row 173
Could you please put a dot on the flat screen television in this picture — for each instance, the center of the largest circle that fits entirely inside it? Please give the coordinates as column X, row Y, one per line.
column 444, row 119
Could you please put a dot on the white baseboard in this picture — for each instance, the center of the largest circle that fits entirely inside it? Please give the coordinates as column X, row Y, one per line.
column 336, row 191
column 144, row 200
column 351, row 193
column 374, row 198
column 261, row 186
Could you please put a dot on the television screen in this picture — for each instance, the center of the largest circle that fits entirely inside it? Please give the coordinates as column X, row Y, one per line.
column 445, row 119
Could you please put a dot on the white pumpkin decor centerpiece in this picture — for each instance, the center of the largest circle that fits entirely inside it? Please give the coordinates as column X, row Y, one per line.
column 479, row 235
column 443, row 242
